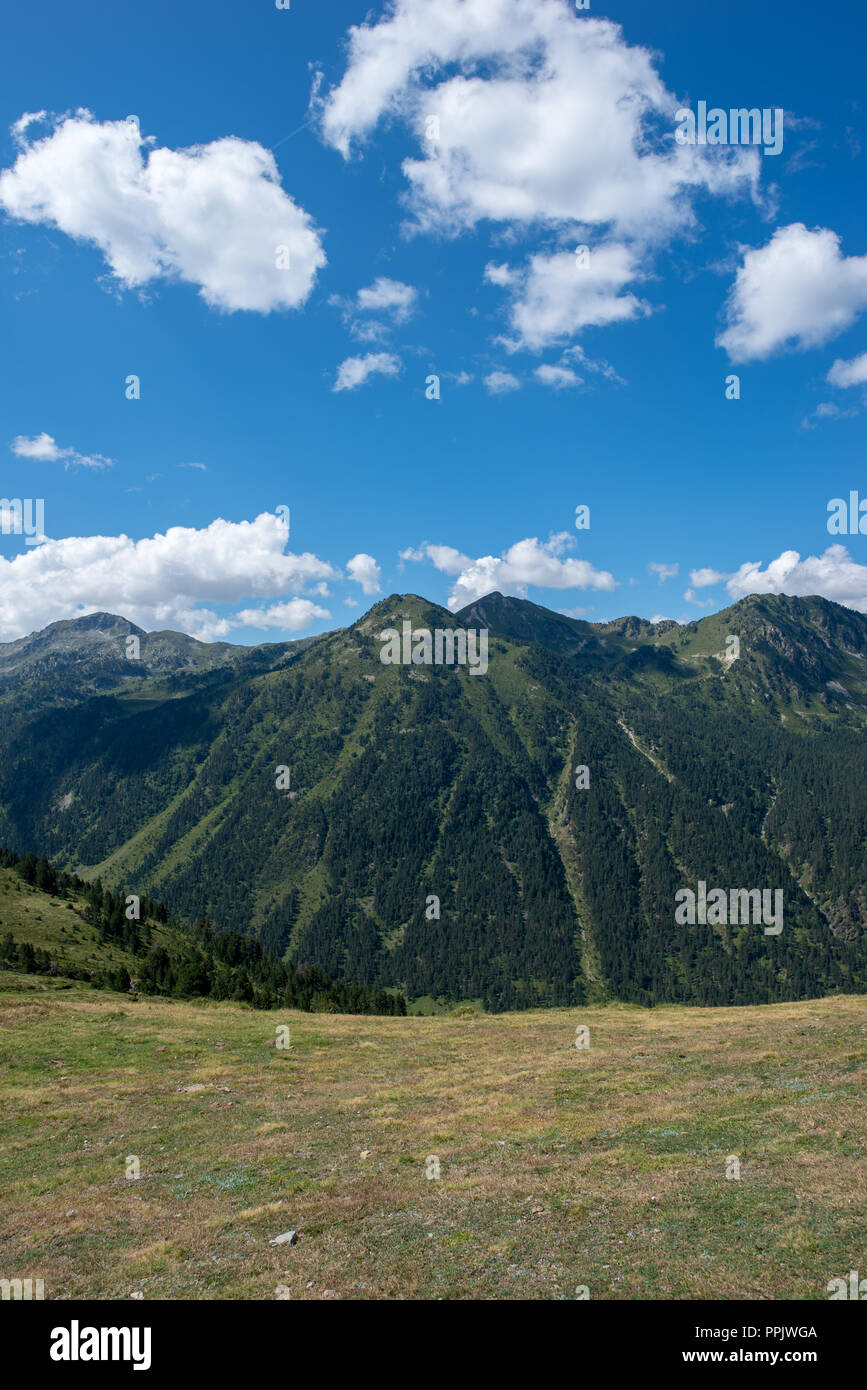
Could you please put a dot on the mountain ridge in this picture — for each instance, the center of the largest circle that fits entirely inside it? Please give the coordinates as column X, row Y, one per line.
column 431, row 836
column 105, row 626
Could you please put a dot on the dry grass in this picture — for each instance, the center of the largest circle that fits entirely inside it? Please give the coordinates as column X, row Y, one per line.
column 559, row 1167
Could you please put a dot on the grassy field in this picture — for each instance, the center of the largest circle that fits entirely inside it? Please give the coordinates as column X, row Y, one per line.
column 558, row 1167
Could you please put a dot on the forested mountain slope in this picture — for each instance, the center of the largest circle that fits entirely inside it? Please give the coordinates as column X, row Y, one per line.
column 411, row 791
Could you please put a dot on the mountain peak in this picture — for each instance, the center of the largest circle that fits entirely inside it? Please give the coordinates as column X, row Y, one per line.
column 93, row 626
column 398, row 608
column 407, row 787
column 95, row 648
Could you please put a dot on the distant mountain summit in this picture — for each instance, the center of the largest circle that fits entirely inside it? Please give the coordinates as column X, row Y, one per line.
column 516, row 836
column 97, row 648
column 794, row 645
column 523, row 621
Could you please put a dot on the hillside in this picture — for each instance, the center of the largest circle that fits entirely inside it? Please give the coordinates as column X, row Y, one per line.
column 60, row 925
column 57, row 930
column 417, row 790
column 560, row 1170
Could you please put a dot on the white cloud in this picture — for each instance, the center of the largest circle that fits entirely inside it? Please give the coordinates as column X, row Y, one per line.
column 797, row 291
column 576, row 353
column 213, row 215
column 355, row 370
column 558, row 377
column 157, row 582
column 442, row 557
column 852, row 373
column 832, row 575
column 292, row 616
column 544, row 116
column 43, row 448
column 502, row 275
column 527, row 562
column 388, row 296
column 659, row 618
column 702, row 579
column 393, row 299
column 202, row 467
column 553, row 297
column 368, row 330
column 828, row 410
column 364, row 570
column 500, row 383
column 662, row 570
column 19, row 127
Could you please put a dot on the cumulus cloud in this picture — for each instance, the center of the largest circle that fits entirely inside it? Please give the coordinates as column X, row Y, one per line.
column 364, row 570
column 553, row 297
column 292, row 616
column 703, row 578
column 20, row 127
column 558, row 377
column 525, row 563
column 43, row 448
column 798, row 291
column 500, row 383
column 390, row 297
column 501, row 95
column 156, row 582
column 212, row 215
column 442, row 557
column 662, row 570
column 852, row 373
column 355, row 371
column 832, row 575
column 502, row 275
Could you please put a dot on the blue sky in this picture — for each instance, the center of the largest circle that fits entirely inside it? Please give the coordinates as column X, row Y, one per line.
column 151, row 250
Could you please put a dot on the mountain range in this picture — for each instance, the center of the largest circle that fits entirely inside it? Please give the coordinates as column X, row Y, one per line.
column 516, row 837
